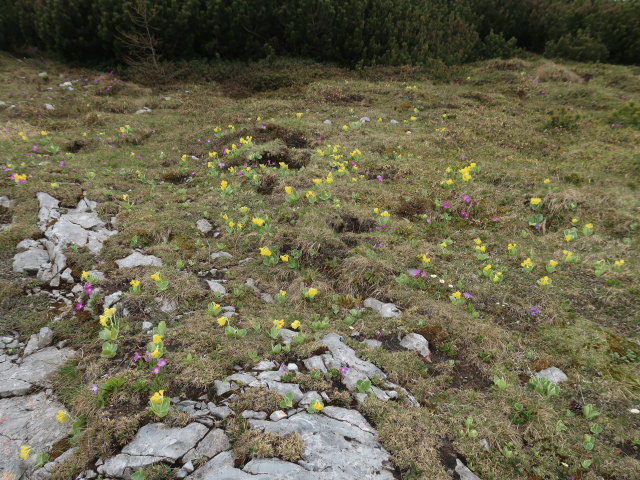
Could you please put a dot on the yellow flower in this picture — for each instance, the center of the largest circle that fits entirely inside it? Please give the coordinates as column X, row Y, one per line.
column 574, row 220
column 299, row 115
column 345, row 127
column 288, row 190
column 497, row 277
column 156, row 277
column 61, row 416
column 312, row 292
column 157, row 397
column 310, row 194
column 481, row 248
column 618, row 263
column 222, row 321
column 157, row 338
column 448, row 170
column 385, row 214
column 589, row 226
column 535, row 201
column 477, row 241
column 283, row 293
column 109, row 312
column 231, row 224
column 317, row 181
column 265, row 252
column 487, row 268
column 329, row 180
column 376, row 210
column 568, row 238
column 125, row 197
column 457, row 295
column 443, row 244
column 546, row 181
column 257, row 221
column 54, row 185
column 243, row 210
column 567, row 254
column 103, row 320
column 284, row 258
column 85, row 275
column 24, row 451
column 425, row 259
column 412, row 118
column 511, row 246
column 278, row 323
column 543, row 281
column 43, row 133
column 318, row 406
column 527, row 263
column 134, row 283
column 155, row 353
column 295, row 324
column 223, row 184
column 553, row 263
column 449, row 182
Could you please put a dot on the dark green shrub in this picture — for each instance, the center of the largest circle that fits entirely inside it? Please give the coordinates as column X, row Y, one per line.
column 562, row 120
column 580, row 46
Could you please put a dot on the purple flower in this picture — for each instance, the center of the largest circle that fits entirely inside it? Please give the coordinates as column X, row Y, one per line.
column 34, row 148
column 79, row 306
column 496, row 219
column 466, row 198
column 88, row 288
column 136, row 356
column 378, row 334
column 221, row 165
column 147, row 356
column 155, row 370
column 95, row 388
column 262, row 127
column 429, row 220
column 414, row 272
column 161, row 363
column 533, row 311
column 318, row 139
column 464, row 214
column 61, row 163
column 467, row 295
column 283, row 368
column 380, row 178
column 445, row 204
column 344, row 369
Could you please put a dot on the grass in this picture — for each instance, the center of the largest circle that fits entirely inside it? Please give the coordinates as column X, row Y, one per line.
column 521, row 121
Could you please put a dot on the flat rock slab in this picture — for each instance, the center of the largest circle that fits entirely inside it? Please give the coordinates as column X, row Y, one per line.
column 153, row 443
column 553, row 374
column 386, row 310
column 137, row 259
column 29, row 420
column 20, row 379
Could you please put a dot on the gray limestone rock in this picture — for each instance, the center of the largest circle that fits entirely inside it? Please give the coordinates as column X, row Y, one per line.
column 111, row 300
column 265, row 365
column 29, row 421
column 30, row 261
column 252, row 415
column 38, row 341
column 217, row 255
column 386, row 310
column 137, row 259
column 204, row 225
column 20, row 379
column 216, row 286
column 212, row 444
column 371, row 343
column 553, row 374
column 417, row 343
column 464, row 473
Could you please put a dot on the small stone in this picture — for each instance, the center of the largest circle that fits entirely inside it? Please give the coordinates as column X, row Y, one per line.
column 315, row 363
column 217, row 255
column 365, row 119
column 143, row 110
column 308, row 397
column 292, row 367
column 147, row 326
column 464, row 473
column 137, row 259
column 265, row 365
column 328, row 122
column 371, row 343
column 112, row 299
column 222, row 387
column 394, row 122
column 189, row 466
column 386, row 310
column 66, row 276
column 217, row 287
column 38, row 341
column 49, row 107
column 204, row 225
column 220, row 412
column 417, row 343
column 277, row 416
column 553, row 374
column 485, row 444
column 252, row 415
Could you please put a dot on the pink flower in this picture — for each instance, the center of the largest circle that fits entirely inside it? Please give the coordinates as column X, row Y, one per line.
column 136, row 356
column 88, row 289
column 445, row 204
column 380, row 178
column 147, row 356
column 155, row 370
column 95, row 388
column 464, row 213
column 466, row 198
column 61, row 163
column 495, row 219
column 79, row 306
column 161, row 363
column 344, row 369
column 34, row 148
